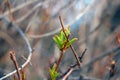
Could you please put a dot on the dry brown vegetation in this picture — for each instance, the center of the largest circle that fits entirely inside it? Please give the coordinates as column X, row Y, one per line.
column 27, row 28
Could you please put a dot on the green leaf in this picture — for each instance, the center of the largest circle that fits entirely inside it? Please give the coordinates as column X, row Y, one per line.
column 61, row 39
column 58, row 41
column 70, row 42
column 67, row 31
column 53, row 72
column 62, row 35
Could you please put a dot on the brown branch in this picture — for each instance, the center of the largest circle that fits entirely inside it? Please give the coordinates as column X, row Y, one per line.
column 9, row 9
column 72, row 48
column 64, row 48
column 71, row 68
column 81, row 57
column 8, row 21
column 13, row 58
column 61, row 55
column 59, row 61
column 115, row 50
column 15, row 9
column 90, row 62
column 102, row 55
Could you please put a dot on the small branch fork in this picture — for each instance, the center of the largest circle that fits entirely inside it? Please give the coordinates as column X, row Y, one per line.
column 101, row 56
column 62, row 51
column 61, row 55
column 60, row 59
column 71, row 68
column 72, row 48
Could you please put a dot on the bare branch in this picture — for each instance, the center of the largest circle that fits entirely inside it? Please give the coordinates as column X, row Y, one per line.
column 72, row 48
column 108, row 52
column 57, row 30
column 66, row 76
column 60, row 59
column 71, row 68
column 30, row 12
column 7, row 38
column 13, row 58
column 26, row 41
column 20, row 6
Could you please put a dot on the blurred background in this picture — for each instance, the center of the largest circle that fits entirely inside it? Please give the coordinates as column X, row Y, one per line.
column 96, row 24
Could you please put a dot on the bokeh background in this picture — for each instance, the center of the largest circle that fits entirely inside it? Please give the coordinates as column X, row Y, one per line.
column 96, row 24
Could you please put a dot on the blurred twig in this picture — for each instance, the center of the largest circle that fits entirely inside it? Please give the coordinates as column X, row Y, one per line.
column 20, row 6
column 83, row 77
column 68, row 73
column 7, row 38
column 30, row 12
column 9, row 9
column 13, row 58
column 90, row 62
column 110, row 51
column 50, row 17
column 26, row 41
column 72, row 22
column 71, row 68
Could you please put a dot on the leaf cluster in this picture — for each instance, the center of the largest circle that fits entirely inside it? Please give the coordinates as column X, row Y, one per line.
column 53, row 72
column 61, row 39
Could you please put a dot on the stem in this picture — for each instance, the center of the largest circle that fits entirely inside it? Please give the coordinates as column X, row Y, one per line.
column 72, row 48
column 13, row 58
column 9, row 8
column 83, row 53
column 60, row 59
column 80, row 58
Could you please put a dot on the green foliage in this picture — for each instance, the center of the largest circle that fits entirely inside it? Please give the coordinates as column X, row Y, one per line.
column 53, row 72
column 61, row 39
column 71, row 41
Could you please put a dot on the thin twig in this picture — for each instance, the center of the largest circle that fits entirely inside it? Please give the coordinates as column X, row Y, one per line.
column 61, row 55
column 83, row 77
column 13, row 58
column 20, row 6
column 26, row 60
column 3, row 7
column 66, row 76
column 70, row 69
column 81, row 57
column 26, row 41
column 31, row 11
column 7, row 38
column 60, row 58
column 72, row 22
column 72, row 48
column 9, row 9
column 108, row 52
column 92, row 61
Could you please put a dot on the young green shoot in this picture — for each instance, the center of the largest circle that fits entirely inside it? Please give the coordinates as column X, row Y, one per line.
column 53, row 72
